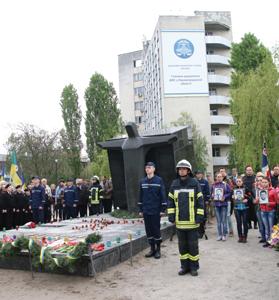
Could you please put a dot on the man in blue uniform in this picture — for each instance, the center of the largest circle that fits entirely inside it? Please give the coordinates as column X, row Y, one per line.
column 70, row 200
column 152, row 204
column 37, row 200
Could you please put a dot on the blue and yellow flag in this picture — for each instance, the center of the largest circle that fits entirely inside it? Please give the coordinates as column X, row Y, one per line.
column 13, row 173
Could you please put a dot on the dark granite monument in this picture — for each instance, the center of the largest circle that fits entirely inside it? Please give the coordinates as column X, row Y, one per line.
column 127, row 158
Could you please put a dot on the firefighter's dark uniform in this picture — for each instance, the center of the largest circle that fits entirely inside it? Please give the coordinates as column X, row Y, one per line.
column 95, row 198
column 186, row 209
column 152, row 202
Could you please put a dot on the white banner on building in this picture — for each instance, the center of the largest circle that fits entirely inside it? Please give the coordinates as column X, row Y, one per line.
column 184, row 63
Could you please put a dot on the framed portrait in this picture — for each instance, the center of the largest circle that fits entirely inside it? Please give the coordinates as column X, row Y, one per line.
column 238, row 195
column 218, row 194
column 263, row 196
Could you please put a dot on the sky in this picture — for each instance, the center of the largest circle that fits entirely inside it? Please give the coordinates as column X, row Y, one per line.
column 47, row 44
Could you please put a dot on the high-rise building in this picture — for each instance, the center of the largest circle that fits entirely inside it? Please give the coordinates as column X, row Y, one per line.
column 184, row 67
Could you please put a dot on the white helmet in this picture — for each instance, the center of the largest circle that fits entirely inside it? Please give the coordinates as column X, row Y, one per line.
column 95, row 177
column 184, row 164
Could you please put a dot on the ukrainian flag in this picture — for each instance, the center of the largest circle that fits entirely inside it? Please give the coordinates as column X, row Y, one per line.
column 13, row 173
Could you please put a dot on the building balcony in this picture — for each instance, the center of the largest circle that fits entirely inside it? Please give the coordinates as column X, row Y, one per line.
column 220, row 161
column 216, row 41
column 221, row 140
column 216, row 26
column 219, row 100
column 217, row 60
column 220, row 80
column 221, row 120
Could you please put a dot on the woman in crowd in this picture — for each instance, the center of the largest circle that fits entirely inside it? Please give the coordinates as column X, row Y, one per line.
column 220, row 193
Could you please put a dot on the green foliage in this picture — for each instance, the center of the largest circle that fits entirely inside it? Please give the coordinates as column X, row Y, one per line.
column 9, row 250
column 100, row 166
column 199, row 141
column 21, row 242
column 124, row 214
column 248, row 54
column 93, row 238
column 68, row 261
column 255, row 109
column 37, row 151
column 102, row 120
column 71, row 138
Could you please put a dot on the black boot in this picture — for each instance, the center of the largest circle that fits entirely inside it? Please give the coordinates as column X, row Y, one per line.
column 183, row 271
column 157, row 254
column 194, row 273
column 151, row 252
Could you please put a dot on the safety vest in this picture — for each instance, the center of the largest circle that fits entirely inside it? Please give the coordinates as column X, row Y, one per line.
column 186, row 204
column 95, row 195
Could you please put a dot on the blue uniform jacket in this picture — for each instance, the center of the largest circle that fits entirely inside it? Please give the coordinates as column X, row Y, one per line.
column 70, row 196
column 152, row 198
column 205, row 189
column 37, row 197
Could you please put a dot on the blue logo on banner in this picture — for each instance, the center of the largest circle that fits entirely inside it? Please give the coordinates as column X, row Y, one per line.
column 183, row 48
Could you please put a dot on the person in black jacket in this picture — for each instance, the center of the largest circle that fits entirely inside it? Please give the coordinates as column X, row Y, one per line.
column 7, row 207
column 19, row 200
column 249, row 184
column 274, row 177
column 83, row 195
column 152, row 205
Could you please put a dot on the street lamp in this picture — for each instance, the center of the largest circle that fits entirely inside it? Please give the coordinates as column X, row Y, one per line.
column 56, row 173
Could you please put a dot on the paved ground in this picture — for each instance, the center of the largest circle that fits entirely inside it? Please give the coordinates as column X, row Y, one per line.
column 229, row 270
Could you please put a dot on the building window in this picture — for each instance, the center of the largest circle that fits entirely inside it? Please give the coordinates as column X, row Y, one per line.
column 209, row 51
column 138, row 76
column 211, row 71
column 215, row 131
column 139, row 91
column 137, row 63
column 138, row 120
column 139, row 105
column 212, row 91
column 214, row 112
column 216, row 152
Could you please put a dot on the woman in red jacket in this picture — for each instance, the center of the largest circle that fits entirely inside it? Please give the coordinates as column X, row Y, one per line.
column 268, row 209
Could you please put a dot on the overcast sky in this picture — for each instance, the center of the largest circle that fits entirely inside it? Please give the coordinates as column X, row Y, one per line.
column 46, row 44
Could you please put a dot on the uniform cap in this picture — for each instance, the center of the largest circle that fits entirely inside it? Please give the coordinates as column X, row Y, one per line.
column 150, row 164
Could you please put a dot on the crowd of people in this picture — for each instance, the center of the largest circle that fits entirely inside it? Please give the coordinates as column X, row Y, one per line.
column 43, row 203
column 252, row 198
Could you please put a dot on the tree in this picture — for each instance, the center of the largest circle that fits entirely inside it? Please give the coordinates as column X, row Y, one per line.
column 72, row 117
column 102, row 114
column 37, row 151
column 255, row 109
column 247, row 55
column 199, row 141
column 99, row 167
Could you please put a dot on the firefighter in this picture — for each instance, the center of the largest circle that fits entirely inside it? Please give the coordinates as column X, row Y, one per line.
column 186, row 210
column 95, row 196
column 152, row 204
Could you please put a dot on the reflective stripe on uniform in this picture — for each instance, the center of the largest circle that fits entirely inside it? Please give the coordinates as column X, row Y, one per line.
column 199, row 195
column 186, row 226
column 200, row 211
column 171, row 210
column 189, row 256
column 150, row 184
column 171, row 195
